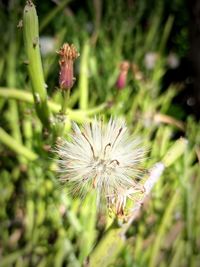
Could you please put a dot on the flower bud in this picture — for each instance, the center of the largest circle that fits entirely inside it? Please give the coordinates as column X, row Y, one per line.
column 67, row 56
column 122, row 77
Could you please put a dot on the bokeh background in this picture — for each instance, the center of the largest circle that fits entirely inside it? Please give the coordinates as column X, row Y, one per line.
column 158, row 96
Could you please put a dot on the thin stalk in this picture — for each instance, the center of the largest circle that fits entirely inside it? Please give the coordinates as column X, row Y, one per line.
column 83, row 80
column 18, row 148
column 27, row 129
column 12, row 114
column 13, row 117
column 65, row 99
column 97, row 5
column 31, row 43
column 166, row 32
column 62, row 122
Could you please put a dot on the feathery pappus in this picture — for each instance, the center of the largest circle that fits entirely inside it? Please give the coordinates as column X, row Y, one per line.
column 104, row 157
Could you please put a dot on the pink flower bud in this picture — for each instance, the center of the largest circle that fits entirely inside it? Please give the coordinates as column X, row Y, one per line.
column 122, row 77
column 67, row 56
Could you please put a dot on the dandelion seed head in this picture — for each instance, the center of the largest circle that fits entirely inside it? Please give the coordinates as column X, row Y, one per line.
column 103, row 157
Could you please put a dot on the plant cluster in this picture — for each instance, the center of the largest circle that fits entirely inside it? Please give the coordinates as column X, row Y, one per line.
column 128, row 161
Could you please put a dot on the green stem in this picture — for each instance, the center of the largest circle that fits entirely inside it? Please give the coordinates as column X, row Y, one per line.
column 31, row 43
column 65, row 99
column 166, row 32
column 13, row 113
column 25, row 96
column 76, row 115
column 83, row 80
column 10, row 142
column 62, row 121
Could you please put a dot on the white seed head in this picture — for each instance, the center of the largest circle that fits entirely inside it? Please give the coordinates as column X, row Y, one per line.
column 104, row 157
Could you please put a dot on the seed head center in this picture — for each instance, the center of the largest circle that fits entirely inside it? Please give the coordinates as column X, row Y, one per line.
column 105, row 166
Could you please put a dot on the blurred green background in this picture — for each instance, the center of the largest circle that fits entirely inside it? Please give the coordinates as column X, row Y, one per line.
column 40, row 223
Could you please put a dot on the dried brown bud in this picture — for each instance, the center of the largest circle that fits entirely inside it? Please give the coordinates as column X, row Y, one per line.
column 67, row 56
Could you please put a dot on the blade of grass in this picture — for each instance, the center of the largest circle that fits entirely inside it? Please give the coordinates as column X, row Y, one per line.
column 107, row 249
column 18, row 148
column 166, row 32
column 167, row 218
column 13, row 117
column 52, row 14
column 175, row 152
column 83, row 84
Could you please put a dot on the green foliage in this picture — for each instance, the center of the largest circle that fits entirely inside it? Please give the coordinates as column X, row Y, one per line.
column 40, row 223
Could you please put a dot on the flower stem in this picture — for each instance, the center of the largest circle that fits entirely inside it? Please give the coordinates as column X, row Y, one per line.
column 65, row 99
column 83, row 84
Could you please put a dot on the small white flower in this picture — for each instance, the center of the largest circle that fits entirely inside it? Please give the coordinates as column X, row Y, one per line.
column 47, row 45
column 173, row 61
column 101, row 156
